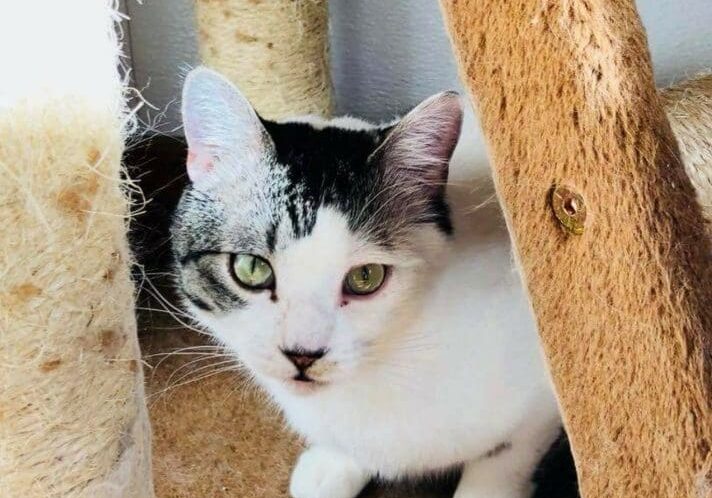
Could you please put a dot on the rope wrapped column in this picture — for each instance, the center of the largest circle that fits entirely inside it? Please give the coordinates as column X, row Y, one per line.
column 275, row 51
column 73, row 420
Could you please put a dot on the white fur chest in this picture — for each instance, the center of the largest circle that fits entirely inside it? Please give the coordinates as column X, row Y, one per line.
column 468, row 374
column 436, row 403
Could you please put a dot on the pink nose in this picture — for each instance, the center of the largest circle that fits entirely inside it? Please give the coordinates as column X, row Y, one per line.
column 303, row 359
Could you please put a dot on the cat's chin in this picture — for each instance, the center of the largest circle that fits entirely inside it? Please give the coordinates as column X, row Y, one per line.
column 304, row 387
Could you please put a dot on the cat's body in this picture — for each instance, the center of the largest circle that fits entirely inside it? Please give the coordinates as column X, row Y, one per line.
column 465, row 376
column 439, row 367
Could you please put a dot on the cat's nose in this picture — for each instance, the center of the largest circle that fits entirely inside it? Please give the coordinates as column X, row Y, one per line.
column 303, row 359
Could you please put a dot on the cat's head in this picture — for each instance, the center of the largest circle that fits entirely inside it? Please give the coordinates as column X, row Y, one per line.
column 305, row 248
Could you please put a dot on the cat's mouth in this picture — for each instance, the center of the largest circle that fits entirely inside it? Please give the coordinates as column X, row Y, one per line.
column 303, row 383
column 302, row 377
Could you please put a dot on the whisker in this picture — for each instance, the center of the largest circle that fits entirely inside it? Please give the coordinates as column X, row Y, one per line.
column 196, row 370
column 188, row 349
column 158, row 310
column 201, row 355
column 170, row 307
column 197, row 379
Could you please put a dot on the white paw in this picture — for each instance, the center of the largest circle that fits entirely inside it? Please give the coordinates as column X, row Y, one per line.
column 322, row 473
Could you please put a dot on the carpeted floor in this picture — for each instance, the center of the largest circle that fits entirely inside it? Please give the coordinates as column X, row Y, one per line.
column 212, row 436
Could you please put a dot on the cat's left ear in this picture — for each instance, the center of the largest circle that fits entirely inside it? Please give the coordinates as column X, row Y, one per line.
column 417, row 150
column 221, row 127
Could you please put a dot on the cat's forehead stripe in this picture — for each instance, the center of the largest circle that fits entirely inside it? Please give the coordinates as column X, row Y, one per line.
column 323, row 166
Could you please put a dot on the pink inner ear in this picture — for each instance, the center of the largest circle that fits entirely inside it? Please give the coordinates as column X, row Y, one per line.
column 199, row 164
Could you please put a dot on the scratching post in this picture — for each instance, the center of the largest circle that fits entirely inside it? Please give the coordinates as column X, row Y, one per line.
column 689, row 110
column 567, row 99
column 72, row 420
column 276, row 52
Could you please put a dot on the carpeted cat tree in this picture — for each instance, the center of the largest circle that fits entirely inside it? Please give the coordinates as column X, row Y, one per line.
column 689, row 111
column 621, row 294
column 73, row 421
column 607, row 230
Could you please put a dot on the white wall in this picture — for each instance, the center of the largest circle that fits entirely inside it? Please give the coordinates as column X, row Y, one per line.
column 388, row 55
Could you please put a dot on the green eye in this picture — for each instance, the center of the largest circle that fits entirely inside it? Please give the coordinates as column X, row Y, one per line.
column 252, row 271
column 365, row 279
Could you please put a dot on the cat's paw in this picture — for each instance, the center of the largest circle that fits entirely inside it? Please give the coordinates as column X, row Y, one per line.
column 322, row 473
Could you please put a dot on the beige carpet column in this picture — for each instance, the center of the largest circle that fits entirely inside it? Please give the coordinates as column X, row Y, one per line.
column 567, row 100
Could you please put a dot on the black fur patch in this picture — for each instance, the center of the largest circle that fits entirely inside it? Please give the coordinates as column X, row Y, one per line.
column 334, row 167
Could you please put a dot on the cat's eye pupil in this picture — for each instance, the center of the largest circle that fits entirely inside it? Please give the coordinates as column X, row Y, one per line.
column 252, row 271
column 364, row 279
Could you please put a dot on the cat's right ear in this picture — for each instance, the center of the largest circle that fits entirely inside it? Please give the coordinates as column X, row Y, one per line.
column 221, row 127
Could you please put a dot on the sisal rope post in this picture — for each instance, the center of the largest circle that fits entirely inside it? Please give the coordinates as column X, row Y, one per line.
column 689, row 110
column 276, row 52
column 73, row 420
column 566, row 97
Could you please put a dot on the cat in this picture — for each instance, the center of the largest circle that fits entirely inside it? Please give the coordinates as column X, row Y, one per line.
column 363, row 292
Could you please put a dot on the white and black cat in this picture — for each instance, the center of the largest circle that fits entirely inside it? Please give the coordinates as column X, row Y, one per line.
column 362, row 293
